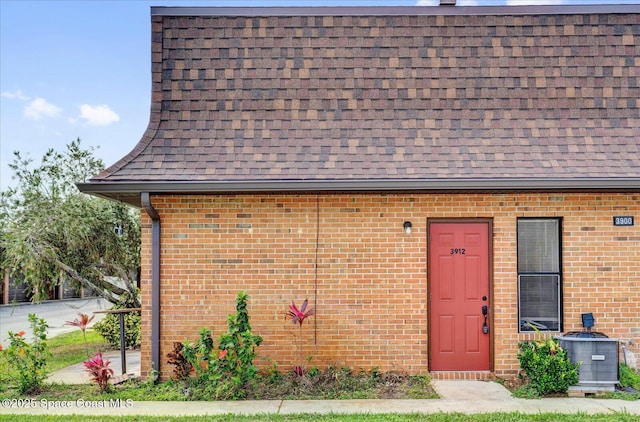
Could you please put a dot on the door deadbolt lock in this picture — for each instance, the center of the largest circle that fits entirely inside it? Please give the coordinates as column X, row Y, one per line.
column 485, row 326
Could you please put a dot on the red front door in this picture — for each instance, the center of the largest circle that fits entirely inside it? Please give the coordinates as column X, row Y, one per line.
column 458, row 289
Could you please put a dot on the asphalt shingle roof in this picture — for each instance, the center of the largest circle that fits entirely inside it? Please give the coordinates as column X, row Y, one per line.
column 366, row 97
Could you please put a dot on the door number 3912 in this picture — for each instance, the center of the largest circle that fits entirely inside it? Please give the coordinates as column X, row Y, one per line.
column 457, row 251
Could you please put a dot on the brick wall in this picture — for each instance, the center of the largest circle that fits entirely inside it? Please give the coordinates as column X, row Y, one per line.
column 370, row 288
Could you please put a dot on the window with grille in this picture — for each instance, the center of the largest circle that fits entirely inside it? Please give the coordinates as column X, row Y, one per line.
column 539, row 276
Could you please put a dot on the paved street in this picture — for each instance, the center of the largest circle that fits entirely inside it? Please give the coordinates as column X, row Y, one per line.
column 14, row 317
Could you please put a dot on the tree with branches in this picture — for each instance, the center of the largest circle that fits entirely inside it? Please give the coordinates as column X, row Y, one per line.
column 52, row 233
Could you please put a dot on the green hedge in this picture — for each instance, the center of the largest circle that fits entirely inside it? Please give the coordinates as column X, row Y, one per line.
column 109, row 329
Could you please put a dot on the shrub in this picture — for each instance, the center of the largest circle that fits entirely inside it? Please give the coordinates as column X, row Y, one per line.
column 99, row 370
column 109, row 329
column 629, row 377
column 547, row 366
column 181, row 366
column 29, row 360
column 237, row 345
column 224, row 373
column 4, row 371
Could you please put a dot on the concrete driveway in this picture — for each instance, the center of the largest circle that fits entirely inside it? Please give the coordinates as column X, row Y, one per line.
column 14, row 317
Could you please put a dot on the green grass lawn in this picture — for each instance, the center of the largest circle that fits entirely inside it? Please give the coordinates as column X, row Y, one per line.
column 69, row 348
column 393, row 417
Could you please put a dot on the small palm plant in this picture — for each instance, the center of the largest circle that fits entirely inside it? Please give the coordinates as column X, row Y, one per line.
column 298, row 315
column 82, row 322
column 98, row 368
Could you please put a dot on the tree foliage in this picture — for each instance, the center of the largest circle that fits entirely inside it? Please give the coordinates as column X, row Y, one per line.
column 51, row 232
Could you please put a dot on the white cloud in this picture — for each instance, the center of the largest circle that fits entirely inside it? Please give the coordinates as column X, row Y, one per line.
column 39, row 108
column 100, row 115
column 18, row 95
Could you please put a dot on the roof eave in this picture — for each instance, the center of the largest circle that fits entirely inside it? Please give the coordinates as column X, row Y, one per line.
column 129, row 192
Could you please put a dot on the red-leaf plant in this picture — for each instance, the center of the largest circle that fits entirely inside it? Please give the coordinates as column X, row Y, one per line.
column 99, row 370
column 82, row 322
column 297, row 317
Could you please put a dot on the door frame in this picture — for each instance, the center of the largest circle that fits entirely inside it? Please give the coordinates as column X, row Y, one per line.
column 491, row 301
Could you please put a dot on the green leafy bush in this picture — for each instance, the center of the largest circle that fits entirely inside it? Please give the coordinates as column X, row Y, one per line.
column 29, row 360
column 629, row 377
column 547, row 366
column 109, row 329
column 224, row 373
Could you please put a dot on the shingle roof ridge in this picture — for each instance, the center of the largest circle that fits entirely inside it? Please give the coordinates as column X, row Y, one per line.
column 392, row 10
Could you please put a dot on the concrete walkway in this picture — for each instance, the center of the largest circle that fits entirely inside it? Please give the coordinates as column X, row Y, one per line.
column 468, row 397
column 75, row 374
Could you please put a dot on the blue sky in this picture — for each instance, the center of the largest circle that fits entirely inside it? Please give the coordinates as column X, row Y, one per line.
column 72, row 69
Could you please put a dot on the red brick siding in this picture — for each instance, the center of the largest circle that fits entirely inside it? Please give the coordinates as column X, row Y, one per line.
column 372, row 277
